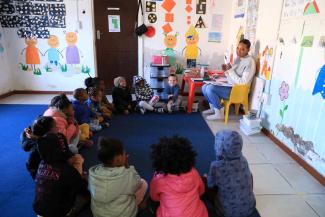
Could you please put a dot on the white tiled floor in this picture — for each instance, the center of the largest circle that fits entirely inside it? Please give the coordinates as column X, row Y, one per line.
column 282, row 187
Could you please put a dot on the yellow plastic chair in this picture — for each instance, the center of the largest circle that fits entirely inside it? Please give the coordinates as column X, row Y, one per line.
column 238, row 96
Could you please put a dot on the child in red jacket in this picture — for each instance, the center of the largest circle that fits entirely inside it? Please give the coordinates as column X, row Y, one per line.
column 176, row 184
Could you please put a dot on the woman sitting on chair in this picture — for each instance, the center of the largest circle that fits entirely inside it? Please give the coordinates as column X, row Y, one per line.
column 240, row 73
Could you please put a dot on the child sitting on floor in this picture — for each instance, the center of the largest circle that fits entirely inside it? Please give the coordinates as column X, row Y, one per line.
column 29, row 144
column 116, row 188
column 231, row 175
column 61, row 110
column 171, row 94
column 176, row 184
column 83, row 113
column 122, row 98
column 144, row 95
column 60, row 189
column 99, row 83
column 94, row 103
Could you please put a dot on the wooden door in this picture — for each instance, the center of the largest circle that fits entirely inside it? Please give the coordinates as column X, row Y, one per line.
column 116, row 52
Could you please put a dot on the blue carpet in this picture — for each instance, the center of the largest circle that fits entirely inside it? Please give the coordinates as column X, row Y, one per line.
column 136, row 131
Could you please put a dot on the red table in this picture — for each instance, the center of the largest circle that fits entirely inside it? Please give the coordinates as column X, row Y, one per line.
column 192, row 85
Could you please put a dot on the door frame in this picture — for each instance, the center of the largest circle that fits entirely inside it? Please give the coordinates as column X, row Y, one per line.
column 140, row 44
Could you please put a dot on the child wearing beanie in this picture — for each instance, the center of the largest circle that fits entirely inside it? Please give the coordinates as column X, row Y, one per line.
column 122, row 98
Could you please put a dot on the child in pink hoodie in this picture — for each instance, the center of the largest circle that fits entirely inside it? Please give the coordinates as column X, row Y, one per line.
column 61, row 110
column 176, row 184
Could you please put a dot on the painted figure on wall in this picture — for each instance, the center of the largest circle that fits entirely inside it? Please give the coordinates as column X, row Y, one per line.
column 72, row 51
column 191, row 50
column 170, row 41
column 53, row 52
column 32, row 53
column 320, row 83
column 265, row 61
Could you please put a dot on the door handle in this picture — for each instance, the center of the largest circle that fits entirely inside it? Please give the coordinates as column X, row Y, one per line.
column 98, row 33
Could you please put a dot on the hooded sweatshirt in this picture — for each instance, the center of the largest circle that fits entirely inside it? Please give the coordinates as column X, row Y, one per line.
column 57, row 183
column 179, row 196
column 231, row 175
column 142, row 93
column 113, row 191
column 68, row 130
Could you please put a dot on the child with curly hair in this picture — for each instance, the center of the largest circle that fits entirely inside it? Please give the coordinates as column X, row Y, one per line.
column 176, row 184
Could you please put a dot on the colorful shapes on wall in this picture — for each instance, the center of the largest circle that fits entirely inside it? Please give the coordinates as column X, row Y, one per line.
column 151, row 32
column 168, row 5
column 311, row 8
column 152, row 18
column 167, row 28
column 284, row 91
column 169, row 17
column 189, row 20
column 201, row 6
column 150, row 6
column 189, row 8
column 307, row 41
column 265, row 62
column 200, row 23
column 320, row 83
column 188, row 2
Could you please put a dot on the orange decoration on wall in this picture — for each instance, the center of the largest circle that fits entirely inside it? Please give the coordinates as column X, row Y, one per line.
column 169, row 17
column 167, row 28
column 168, row 5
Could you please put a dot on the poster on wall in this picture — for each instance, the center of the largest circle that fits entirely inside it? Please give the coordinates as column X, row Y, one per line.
column 240, row 9
column 293, row 8
column 215, row 37
column 216, row 22
column 114, row 24
column 251, row 21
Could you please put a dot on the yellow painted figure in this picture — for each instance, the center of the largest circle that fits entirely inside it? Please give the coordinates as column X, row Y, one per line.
column 191, row 50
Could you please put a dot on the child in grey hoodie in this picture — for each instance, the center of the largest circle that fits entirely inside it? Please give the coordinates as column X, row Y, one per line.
column 116, row 188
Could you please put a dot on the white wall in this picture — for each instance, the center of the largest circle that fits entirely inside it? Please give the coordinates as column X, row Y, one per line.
column 55, row 80
column 6, row 77
column 212, row 52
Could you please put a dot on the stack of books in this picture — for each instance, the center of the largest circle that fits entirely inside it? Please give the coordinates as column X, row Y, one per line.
column 250, row 124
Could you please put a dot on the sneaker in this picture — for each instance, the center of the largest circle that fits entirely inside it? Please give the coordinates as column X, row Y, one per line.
column 219, row 115
column 160, row 110
column 208, row 112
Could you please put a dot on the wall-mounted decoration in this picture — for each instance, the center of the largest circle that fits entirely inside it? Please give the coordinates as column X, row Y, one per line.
column 191, row 51
column 320, row 83
column 188, row 9
column 151, row 32
column 265, row 63
column 311, row 8
column 322, row 42
column 251, row 20
column 150, row 6
column 215, row 37
column 240, row 35
column 6, row 8
column 32, row 55
column 189, row 20
column 201, row 6
column 167, row 28
column 216, row 22
column 114, row 23
column 72, row 51
column 200, row 23
column 240, row 9
column 168, row 5
column 169, row 17
column 152, row 18
column 170, row 42
column 53, row 53
column 32, row 18
column 307, row 41
column 284, row 94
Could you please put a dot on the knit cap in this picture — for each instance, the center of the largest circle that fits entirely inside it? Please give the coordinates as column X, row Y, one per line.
column 118, row 80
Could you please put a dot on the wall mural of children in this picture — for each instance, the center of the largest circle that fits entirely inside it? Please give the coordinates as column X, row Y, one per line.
column 72, row 52
column 32, row 55
column 170, row 41
column 53, row 53
column 191, row 50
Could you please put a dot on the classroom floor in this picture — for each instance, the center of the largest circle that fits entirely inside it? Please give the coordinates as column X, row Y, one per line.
column 282, row 187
